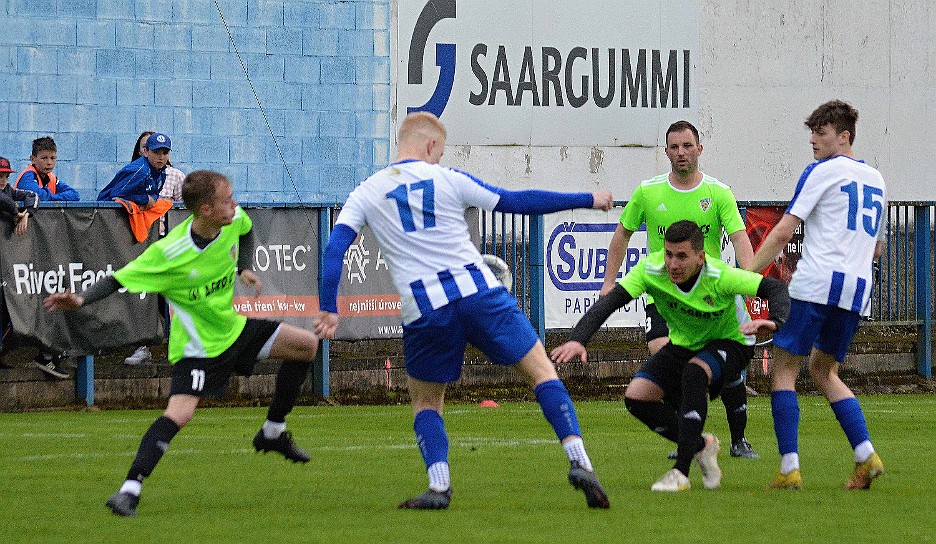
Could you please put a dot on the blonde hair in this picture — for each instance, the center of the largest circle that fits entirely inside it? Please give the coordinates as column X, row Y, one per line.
column 420, row 126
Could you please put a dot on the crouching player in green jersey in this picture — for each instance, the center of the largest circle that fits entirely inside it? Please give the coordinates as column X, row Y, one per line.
column 194, row 267
column 695, row 294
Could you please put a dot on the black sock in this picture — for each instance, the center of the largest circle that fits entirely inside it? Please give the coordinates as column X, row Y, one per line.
column 734, row 396
column 659, row 417
column 692, row 415
column 289, row 380
column 154, row 444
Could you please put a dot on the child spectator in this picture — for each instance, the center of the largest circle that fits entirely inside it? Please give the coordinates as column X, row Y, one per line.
column 172, row 188
column 38, row 176
column 136, row 186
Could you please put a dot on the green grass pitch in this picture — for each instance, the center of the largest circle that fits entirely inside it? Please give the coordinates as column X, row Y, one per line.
column 508, row 473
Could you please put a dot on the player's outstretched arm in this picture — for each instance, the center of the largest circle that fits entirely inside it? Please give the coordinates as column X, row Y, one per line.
column 537, row 201
column 774, row 242
column 65, row 302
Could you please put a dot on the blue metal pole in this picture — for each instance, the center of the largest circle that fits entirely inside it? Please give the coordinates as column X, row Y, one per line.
column 84, row 379
column 320, row 372
column 923, row 289
column 537, row 276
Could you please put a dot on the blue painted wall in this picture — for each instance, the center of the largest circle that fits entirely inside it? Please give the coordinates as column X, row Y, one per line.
column 93, row 74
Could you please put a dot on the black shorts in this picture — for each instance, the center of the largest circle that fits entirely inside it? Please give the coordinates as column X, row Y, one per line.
column 209, row 377
column 655, row 326
column 726, row 358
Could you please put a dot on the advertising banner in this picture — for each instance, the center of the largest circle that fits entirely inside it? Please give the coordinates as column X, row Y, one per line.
column 72, row 248
column 576, row 264
column 759, row 220
column 541, row 73
column 286, row 261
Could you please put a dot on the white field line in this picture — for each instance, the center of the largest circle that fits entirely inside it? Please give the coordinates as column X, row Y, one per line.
column 466, row 442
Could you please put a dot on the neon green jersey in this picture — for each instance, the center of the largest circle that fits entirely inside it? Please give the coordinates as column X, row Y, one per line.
column 198, row 283
column 707, row 312
column 711, row 205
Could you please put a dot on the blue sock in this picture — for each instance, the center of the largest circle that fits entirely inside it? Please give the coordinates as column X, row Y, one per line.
column 430, row 437
column 850, row 417
column 786, row 416
column 558, row 409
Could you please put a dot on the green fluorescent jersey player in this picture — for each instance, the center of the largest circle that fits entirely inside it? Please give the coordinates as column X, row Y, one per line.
column 198, row 283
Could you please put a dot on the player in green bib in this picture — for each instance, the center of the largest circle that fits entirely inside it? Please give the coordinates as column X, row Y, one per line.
column 687, row 193
column 194, row 267
column 696, row 294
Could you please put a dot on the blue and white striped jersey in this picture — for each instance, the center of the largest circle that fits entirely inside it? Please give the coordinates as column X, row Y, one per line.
column 843, row 203
column 417, row 213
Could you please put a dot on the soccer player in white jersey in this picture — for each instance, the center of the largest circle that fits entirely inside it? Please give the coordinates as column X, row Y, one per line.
column 842, row 202
column 449, row 296
column 194, row 268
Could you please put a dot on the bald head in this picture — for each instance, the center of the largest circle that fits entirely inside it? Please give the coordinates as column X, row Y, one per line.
column 422, row 137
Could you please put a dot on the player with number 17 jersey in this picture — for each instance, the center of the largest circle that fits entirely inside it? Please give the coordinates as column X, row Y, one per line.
column 843, row 202
column 416, row 211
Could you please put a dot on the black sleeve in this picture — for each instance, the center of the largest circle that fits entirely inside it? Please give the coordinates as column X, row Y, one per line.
column 29, row 199
column 107, row 286
column 245, row 252
column 778, row 299
column 8, row 207
column 595, row 317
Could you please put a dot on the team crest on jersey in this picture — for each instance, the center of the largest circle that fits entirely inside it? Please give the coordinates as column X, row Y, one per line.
column 705, row 204
column 709, row 300
column 233, row 252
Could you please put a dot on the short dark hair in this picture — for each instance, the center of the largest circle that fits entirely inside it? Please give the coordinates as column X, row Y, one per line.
column 680, row 126
column 46, row 143
column 680, row 231
column 200, row 186
column 840, row 115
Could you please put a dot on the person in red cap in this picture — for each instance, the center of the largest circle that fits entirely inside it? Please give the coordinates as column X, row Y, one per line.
column 9, row 197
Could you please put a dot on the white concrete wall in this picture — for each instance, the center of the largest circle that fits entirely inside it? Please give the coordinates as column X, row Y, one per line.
column 764, row 66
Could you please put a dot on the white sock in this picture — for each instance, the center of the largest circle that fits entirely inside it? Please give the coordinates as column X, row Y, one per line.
column 439, row 479
column 132, row 486
column 272, row 430
column 789, row 462
column 863, row 451
column 575, row 449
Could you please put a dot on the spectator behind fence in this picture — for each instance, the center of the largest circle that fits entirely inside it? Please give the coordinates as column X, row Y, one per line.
column 137, row 185
column 171, row 190
column 10, row 211
column 18, row 217
column 39, row 179
column 38, row 176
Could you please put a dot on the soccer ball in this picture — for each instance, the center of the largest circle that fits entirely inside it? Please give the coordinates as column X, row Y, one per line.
column 500, row 269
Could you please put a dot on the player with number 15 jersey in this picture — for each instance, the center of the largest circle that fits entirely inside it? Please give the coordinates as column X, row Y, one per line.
column 842, row 201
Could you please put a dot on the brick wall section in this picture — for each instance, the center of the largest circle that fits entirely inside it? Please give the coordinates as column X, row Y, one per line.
column 93, row 74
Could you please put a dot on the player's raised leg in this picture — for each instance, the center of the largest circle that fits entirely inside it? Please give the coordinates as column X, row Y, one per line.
column 296, row 348
column 559, row 410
